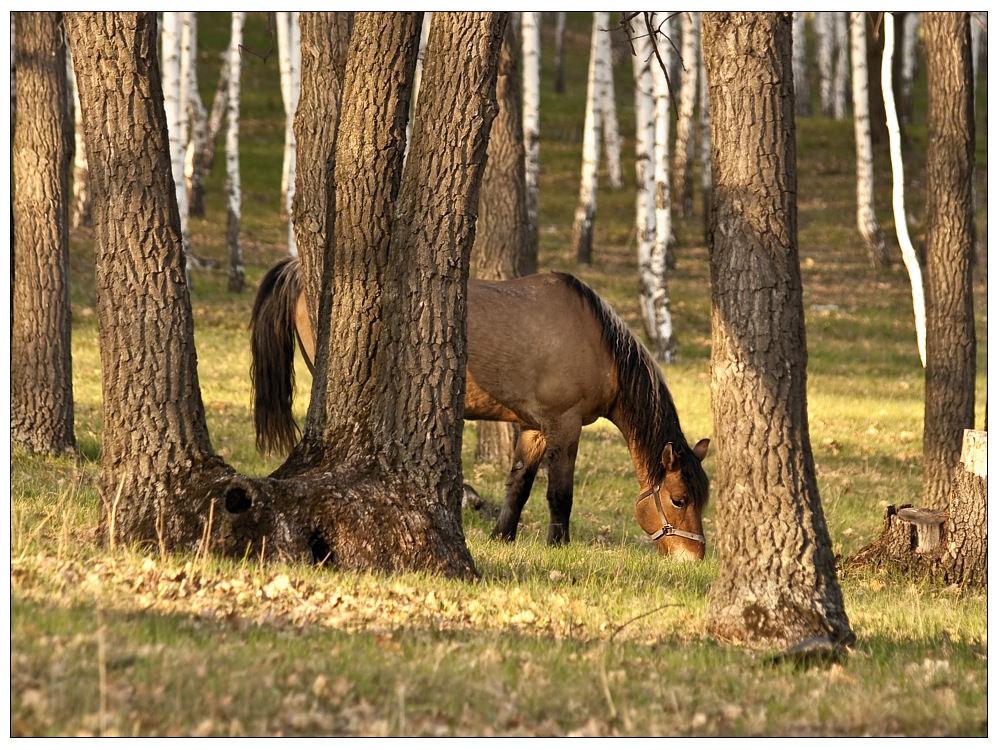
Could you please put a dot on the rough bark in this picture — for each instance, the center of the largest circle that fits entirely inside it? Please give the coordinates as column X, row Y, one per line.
column 964, row 557
column 502, row 246
column 159, row 482
column 323, row 44
column 41, row 372
column 950, row 374
column 777, row 584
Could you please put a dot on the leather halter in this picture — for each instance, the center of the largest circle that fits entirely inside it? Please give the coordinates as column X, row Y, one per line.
column 667, row 529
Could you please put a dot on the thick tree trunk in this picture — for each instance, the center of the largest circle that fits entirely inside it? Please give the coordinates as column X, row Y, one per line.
column 502, row 239
column 323, row 45
column 41, row 372
column 950, row 393
column 160, row 481
column 777, row 584
column 871, row 232
column 964, row 558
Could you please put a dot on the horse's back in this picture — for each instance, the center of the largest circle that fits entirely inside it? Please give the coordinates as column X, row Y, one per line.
column 536, row 353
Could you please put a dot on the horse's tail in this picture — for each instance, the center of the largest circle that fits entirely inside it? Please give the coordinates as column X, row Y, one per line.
column 272, row 352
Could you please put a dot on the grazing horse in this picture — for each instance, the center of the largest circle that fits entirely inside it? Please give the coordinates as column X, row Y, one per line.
column 546, row 353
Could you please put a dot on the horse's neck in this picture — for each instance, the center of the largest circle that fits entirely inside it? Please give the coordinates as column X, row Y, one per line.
column 636, row 449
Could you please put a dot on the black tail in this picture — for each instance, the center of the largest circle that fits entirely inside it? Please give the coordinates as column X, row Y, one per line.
column 272, row 352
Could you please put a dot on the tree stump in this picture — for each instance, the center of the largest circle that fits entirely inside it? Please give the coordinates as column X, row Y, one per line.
column 950, row 545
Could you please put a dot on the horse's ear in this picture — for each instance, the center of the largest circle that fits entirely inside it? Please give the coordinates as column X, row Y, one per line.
column 701, row 449
column 669, row 458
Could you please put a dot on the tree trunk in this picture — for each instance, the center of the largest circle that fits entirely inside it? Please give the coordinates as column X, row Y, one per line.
column 777, row 584
column 234, row 197
column 662, row 250
column 80, row 214
column 683, row 157
column 800, row 62
column 41, row 371
column 604, row 74
column 502, row 237
column 964, row 558
column 898, row 207
column 560, row 80
column 323, row 44
column 950, row 375
column 586, row 207
column 531, row 45
column 160, row 481
column 825, row 52
column 842, row 70
column 871, row 232
column 289, row 65
column 376, row 480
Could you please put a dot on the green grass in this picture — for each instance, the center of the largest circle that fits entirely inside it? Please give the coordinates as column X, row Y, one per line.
column 599, row 637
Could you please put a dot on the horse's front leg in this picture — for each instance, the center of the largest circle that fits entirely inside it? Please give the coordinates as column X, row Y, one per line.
column 561, row 460
column 528, row 454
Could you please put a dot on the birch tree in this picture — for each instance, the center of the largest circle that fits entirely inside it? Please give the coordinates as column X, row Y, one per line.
column 233, row 190
column 898, row 203
column 683, row 157
column 560, row 34
column 531, row 49
column 842, row 70
column 583, row 221
column 80, row 215
column 825, row 54
column 195, row 116
column 704, row 142
column 661, row 143
column 800, row 63
column 871, row 232
column 289, row 64
column 171, row 39
column 907, row 66
column 609, row 115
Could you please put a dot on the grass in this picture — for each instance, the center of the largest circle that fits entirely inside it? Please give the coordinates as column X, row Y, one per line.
column 596, row 638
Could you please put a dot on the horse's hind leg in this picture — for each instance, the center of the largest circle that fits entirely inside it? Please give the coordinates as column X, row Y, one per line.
column 527, row 456
column 561, row 460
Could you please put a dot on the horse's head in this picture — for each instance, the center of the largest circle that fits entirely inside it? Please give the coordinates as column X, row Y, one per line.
column 670, row 511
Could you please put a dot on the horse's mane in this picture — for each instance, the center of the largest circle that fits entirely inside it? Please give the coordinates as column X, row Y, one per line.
column 643, row 397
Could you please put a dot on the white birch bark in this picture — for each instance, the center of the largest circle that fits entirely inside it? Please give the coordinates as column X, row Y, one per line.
column 80, row 212
column 531, row 54
column 705, row 143
column 898, row 206
column 195, row 117
column 823, row 28
column 842, row 67
column 233, row 189
column 606, row 105
column 800, row 65
column 868, row 226
column 289, row 56
column 217, row 117
column 583, row 221
column 560, row 38
column 683, row 185
column 173, row 106
column 418, row 75
column 661, row 149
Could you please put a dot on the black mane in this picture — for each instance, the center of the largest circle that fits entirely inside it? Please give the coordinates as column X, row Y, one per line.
column 643, row 397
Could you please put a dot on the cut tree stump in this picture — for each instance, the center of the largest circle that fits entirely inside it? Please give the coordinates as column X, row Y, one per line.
column 951, row 544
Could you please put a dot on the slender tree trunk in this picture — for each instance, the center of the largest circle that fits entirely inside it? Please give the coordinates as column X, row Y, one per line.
column 176, row 109
column 560, row 79
column 234, row 196
column 324, row 39
column 41, row 372
column 898, row 207
column 531, row 45
column 662, row 250
column 160, row 481
column 825, row 52
column 907, row 65
column 950, row 393
column 777, row 582
column 217, row 117
column 586, row 207
column 197, row 119
column 842, row 68
column 800, row 61
column 80, row 214
column 605, row 82
column 705, row 145
column 289, row 64
column 683, row 157
column 871, row 232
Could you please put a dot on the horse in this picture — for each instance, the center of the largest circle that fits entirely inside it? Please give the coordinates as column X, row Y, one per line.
column 545, row 353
